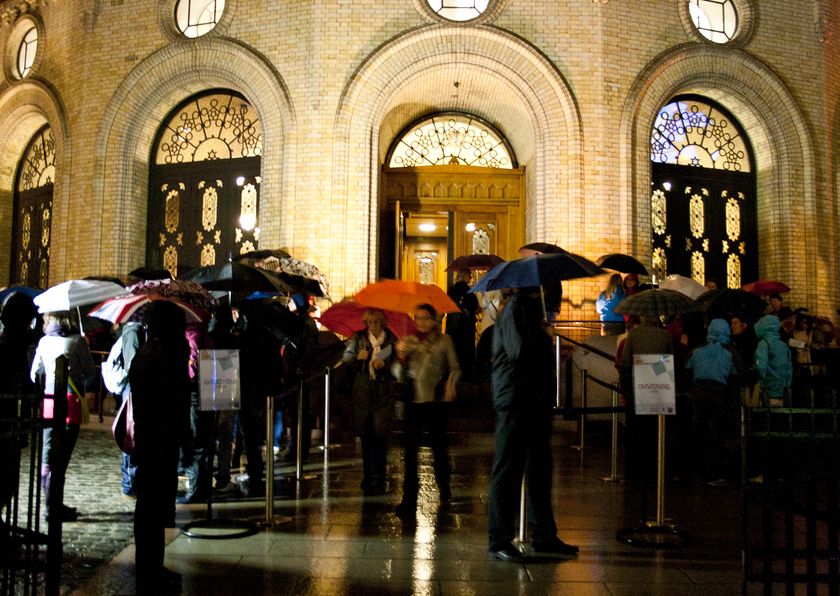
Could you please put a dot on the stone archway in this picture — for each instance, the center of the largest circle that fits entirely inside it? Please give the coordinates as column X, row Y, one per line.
column 136, row 112
column 27, row 107
column 784, row 154
column 376, row 96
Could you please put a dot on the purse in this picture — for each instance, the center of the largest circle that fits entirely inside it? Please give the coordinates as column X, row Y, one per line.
column 123, row 427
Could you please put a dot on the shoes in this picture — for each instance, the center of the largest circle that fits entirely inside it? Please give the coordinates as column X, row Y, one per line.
column 509, row 554
column 67, row 514
column 406, row 509
column 757, row 479
column 555, row 547
column 228, row 488
column 190, row 500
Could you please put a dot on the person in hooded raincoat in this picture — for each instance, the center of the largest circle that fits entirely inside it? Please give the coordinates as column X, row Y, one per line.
column 772, row 360
column 713, row 372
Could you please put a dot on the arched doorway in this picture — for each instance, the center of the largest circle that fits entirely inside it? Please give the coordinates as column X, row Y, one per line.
column 453, row 187
column 703, row 204
column 33, row 211
column 204, row 183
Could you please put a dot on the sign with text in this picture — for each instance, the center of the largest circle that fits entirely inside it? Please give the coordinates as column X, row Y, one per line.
column 653, row 384
column 218, row 380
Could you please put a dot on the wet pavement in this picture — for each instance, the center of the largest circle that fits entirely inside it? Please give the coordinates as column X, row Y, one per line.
column 329, row 539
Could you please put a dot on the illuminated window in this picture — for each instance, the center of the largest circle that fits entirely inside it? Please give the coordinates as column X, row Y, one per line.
column 26, row 52
column 716, row 20
column 451, row 139
column 197, row 17
column 458, row 10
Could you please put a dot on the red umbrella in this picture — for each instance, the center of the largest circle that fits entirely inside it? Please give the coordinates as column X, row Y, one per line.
column 345, row 318
column 765, row 287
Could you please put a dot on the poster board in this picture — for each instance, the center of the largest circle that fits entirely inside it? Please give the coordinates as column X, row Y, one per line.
column 654, row 384
column 218, row 380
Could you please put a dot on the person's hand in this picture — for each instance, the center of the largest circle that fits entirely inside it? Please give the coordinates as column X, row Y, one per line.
column 449, row 394
column 378, row 363
column 402, row 349
column 363, row 355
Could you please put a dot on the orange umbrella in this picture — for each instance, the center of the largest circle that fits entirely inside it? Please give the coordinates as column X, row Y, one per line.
column 405, row 296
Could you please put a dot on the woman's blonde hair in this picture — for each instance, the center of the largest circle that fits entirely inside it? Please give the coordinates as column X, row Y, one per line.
column 614, row 283
column 372, row 315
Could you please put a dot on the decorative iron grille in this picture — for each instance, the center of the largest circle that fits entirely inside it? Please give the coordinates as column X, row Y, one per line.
column 451, row 139
column 38, row 163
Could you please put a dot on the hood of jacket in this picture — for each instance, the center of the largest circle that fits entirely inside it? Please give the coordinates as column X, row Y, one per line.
column 767, row 327
column 718, row 331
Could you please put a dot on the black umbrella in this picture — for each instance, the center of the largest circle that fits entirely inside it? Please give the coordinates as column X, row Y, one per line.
column 475, row 262
column 622, row 263
column 543, row 247
column 538, row 270
column 300, row 283
column 236, row 277
column 262, row 254
column 652, row 304
column 148, row 273
column 723, row 302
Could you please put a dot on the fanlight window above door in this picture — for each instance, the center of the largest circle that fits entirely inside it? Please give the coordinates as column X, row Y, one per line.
column 217, row 126
column 694, row 133
column 38, row 163
column 451, row 139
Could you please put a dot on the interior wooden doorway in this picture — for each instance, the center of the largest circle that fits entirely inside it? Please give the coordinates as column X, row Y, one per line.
column 462, row 210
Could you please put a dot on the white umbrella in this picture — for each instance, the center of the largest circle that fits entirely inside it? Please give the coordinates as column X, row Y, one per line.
column 683, row 285
column 77, row 292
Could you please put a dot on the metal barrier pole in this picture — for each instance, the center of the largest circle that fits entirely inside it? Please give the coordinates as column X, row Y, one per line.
column 614, row 477
column 269, row 461
column 584, row 376
column 557, row 343
column 55, row 497
column 660, row 474
column 299, row 442
column 523, row 514
column 327, row 388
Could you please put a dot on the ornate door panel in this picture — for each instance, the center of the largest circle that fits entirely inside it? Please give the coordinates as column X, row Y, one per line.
column 31, row 254
column 425, row 261
column 202, row 214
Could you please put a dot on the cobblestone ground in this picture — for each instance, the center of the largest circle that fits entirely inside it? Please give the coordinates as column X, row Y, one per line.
column 105, row 520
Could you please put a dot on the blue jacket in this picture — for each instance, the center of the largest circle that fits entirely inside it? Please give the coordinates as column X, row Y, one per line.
column 606, row 307
column 772, row 357
column 713, row 362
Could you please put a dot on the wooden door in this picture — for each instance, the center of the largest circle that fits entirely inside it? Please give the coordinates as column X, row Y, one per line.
column 32, row 231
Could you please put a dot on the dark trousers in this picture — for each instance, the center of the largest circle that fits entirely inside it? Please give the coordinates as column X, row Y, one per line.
column 433, row 417
column 157, row 484
column 55, row 456
column 252, row 421
column 522, row 448
column 196, row 457
column 374, row 456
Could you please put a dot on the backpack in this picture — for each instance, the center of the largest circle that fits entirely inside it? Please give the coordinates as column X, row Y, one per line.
column 114, row 373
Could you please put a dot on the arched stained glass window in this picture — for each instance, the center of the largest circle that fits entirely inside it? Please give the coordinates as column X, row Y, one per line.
column 215, row 126
column 38, row 163
column 695, row 133
column 451, row 139
column 703, row 206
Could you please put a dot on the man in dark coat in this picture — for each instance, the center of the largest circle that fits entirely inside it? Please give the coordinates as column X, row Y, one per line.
column 523, row 382
column 461, row 326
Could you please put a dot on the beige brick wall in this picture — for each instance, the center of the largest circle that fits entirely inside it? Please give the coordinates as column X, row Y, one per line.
column 573, row 84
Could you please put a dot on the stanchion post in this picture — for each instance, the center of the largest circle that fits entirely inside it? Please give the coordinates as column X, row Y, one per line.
column 523, row 514
column 557, row 343
column 269, row 460
column 584, row 377
column 55, row 497
column 660, row 474
column 299, row 442
column 327, row 388
column 614, row 477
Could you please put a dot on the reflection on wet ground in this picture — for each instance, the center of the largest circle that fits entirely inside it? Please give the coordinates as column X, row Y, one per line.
column 331, row 540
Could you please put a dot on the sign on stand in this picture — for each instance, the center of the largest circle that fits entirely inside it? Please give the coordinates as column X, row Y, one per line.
column 653, row 384
column 218, row 380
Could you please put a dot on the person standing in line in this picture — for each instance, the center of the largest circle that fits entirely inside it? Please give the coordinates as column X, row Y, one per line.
column 523, row 392
column 428, row 363
column 772, row 361
column 370, row 353
column 611, row 322
column 160, row 387
column 461, row 326
column 61, row 338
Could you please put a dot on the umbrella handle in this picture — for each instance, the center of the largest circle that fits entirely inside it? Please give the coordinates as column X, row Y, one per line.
column 542, row 301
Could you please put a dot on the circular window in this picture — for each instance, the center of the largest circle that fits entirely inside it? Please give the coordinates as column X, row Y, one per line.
column 197, row 17
column 26, row 52
column 473, row 12
column 716, row 20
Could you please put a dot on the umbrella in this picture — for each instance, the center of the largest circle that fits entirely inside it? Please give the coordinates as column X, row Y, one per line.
column 121, row 309
column 475, row 262
column 279, row 261
column 621, row 263
column 184, row 291
column 236, row 277
column 538, row 270
column 263, row 254
column 721, row 302
column 77, row 292
column 147, row 273
column 652, row 304
column 765, row 287
column 542, row 248
column 683, row 285
column 25, row 290
column 404, row 296
column 345, row 318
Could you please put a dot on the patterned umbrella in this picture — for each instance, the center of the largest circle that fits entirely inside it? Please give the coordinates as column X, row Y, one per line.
column 683, row 285
column 652, row 304
column 301, row 276
column 76, row 292
column 121, row 309
column 184, row 291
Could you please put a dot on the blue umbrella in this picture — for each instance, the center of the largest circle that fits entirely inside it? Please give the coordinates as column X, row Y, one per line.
column 538, row 270
column 25, row 290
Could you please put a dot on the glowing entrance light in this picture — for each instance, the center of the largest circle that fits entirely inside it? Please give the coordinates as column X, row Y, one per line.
column 427, row 227
column 470, row 227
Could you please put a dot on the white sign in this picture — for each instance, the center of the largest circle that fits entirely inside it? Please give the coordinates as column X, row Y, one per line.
column 218, row 379
column 653, row 384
